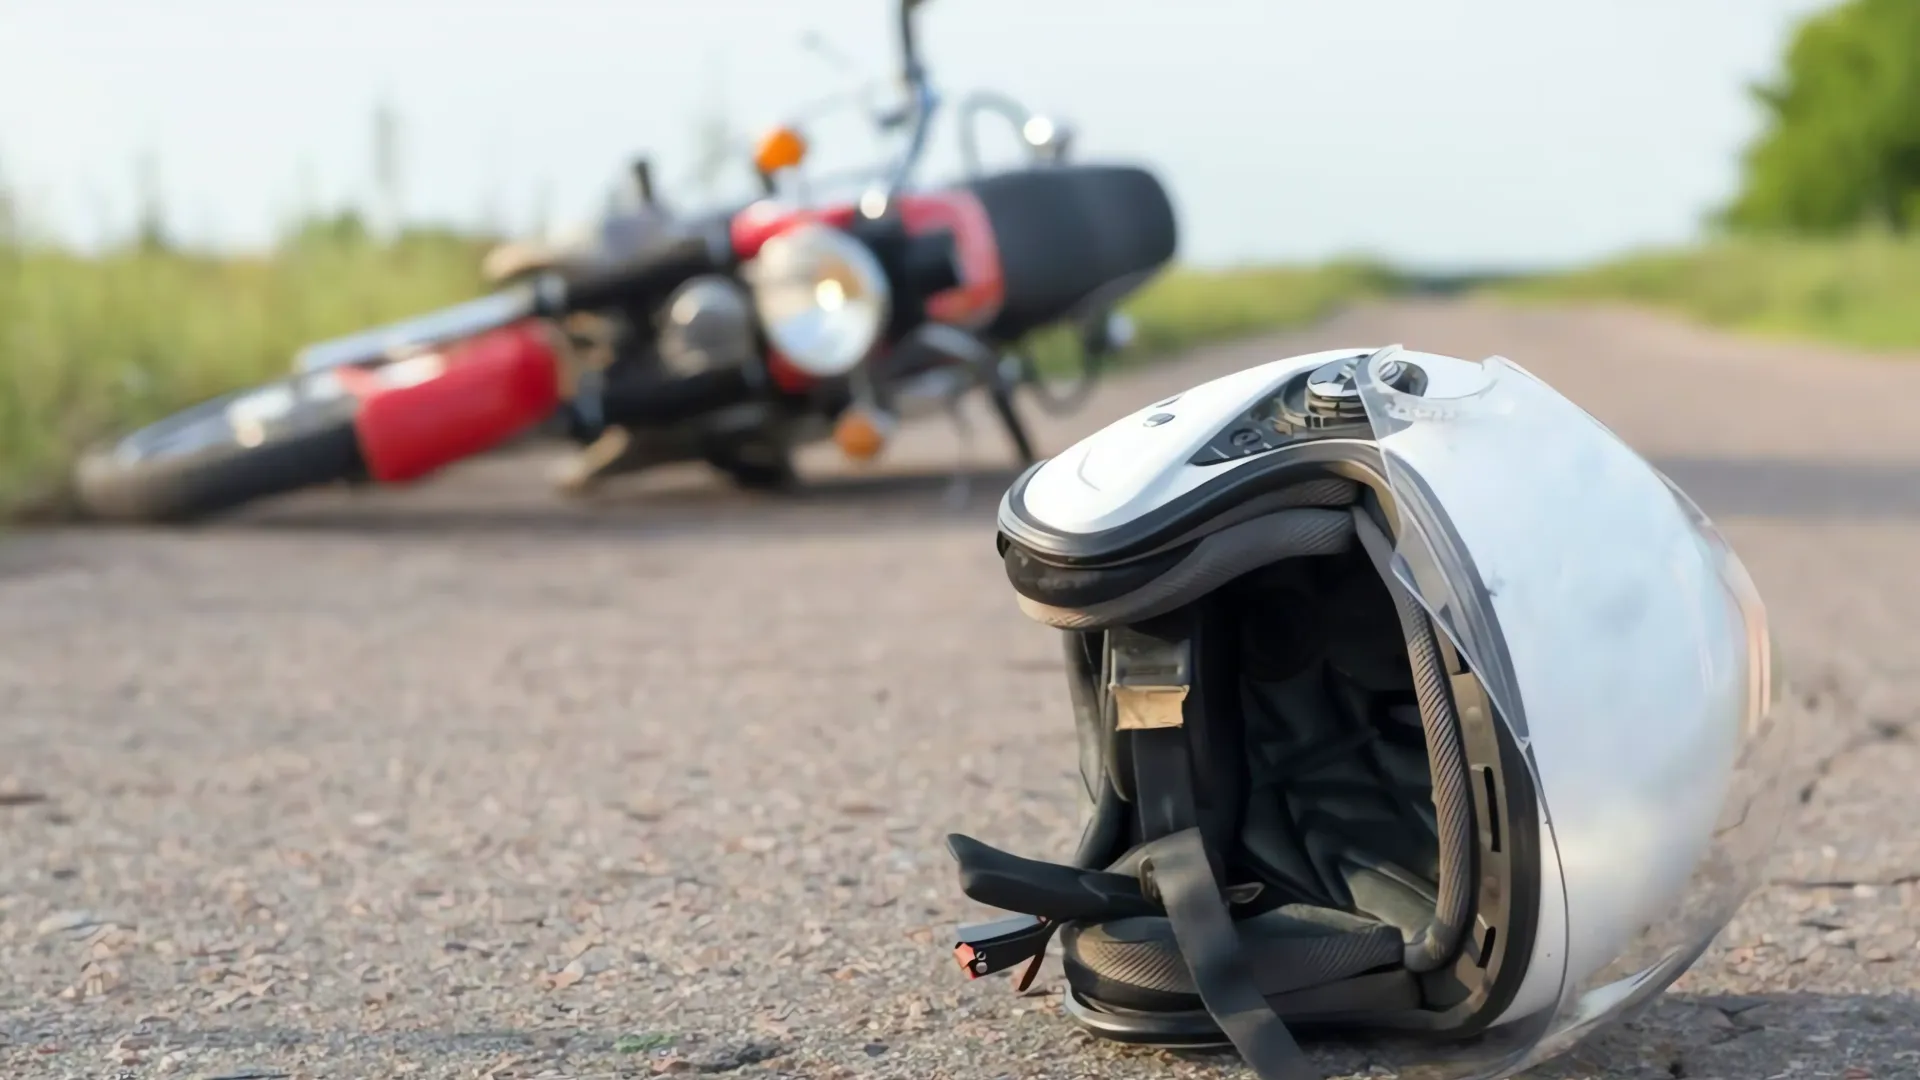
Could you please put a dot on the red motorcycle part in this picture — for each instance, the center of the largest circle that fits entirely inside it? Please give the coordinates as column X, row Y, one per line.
column 429, row 411
column 760, row 222
column 976, row 301
column 971, row 305
column 785, row 375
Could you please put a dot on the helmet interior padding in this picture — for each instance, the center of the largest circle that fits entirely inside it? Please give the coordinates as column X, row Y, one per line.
column 1314, row 713
column 1301, row 807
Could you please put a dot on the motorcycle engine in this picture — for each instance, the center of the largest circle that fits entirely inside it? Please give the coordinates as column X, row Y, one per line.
column 707, row 324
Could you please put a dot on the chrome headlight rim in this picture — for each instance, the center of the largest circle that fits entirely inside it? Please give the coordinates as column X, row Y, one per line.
column 707, row 323
column 822, row 298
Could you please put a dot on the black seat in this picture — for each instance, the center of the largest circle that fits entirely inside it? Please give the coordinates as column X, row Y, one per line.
column 1067, row 232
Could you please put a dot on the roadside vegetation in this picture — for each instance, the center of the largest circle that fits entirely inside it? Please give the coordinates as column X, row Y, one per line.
column 1187, row 306
column 1861, row 290
column 94, row 345
column 1820, row 240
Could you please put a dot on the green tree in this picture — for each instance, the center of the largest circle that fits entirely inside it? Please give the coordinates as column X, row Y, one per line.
column 1841, row 147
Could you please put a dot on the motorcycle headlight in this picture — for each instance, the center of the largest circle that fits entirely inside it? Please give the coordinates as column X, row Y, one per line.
column 821, row 296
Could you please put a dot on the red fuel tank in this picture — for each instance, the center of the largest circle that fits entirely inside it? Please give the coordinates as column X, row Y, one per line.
column 429, row 411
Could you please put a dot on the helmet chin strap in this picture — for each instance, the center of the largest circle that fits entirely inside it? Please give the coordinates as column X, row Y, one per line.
column 1182, row 871
column 1178, row 872
column 1151, row 680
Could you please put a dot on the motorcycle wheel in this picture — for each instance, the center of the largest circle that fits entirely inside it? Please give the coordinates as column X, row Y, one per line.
column 220, row 454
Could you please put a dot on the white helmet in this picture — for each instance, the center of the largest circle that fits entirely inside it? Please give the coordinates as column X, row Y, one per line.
column 1414, row 708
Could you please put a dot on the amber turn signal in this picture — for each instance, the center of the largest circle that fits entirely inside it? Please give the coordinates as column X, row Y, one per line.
column 781, row 148
column 861, row 435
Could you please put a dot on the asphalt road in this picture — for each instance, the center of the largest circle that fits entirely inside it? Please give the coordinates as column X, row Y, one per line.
column 469, row 781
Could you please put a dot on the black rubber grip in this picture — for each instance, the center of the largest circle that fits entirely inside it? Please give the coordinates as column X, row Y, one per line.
column 909, row 44
column 648, row 276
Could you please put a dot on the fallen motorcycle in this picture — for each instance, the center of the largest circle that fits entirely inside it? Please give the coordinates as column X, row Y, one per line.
column 754, row 332
column 635, row 214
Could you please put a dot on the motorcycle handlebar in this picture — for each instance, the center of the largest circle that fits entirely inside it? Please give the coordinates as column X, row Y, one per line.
column 921, row 99
column 909, row 48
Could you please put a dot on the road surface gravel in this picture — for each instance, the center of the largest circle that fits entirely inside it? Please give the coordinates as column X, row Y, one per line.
column 473, row 781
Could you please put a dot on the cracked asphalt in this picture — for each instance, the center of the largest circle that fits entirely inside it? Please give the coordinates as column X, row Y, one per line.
column 474, row 781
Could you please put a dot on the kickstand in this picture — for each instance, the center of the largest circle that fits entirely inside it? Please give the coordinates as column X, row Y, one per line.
column 960, row 486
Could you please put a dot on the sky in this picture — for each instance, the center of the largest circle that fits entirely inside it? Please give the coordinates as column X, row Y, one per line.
column 1440, row 134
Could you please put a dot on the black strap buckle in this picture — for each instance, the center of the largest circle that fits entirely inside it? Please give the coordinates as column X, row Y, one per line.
column 986, row 948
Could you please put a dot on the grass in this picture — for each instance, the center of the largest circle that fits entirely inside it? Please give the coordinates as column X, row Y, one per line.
column 1862, row 291
column 641, row 1043
column 1187, row 307
column 1191, row 307
column 95, row 346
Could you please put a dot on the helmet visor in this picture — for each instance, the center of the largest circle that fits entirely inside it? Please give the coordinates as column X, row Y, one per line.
column 1623, row 644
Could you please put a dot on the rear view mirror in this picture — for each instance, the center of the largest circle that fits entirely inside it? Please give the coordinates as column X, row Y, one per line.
column 1050, row 141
